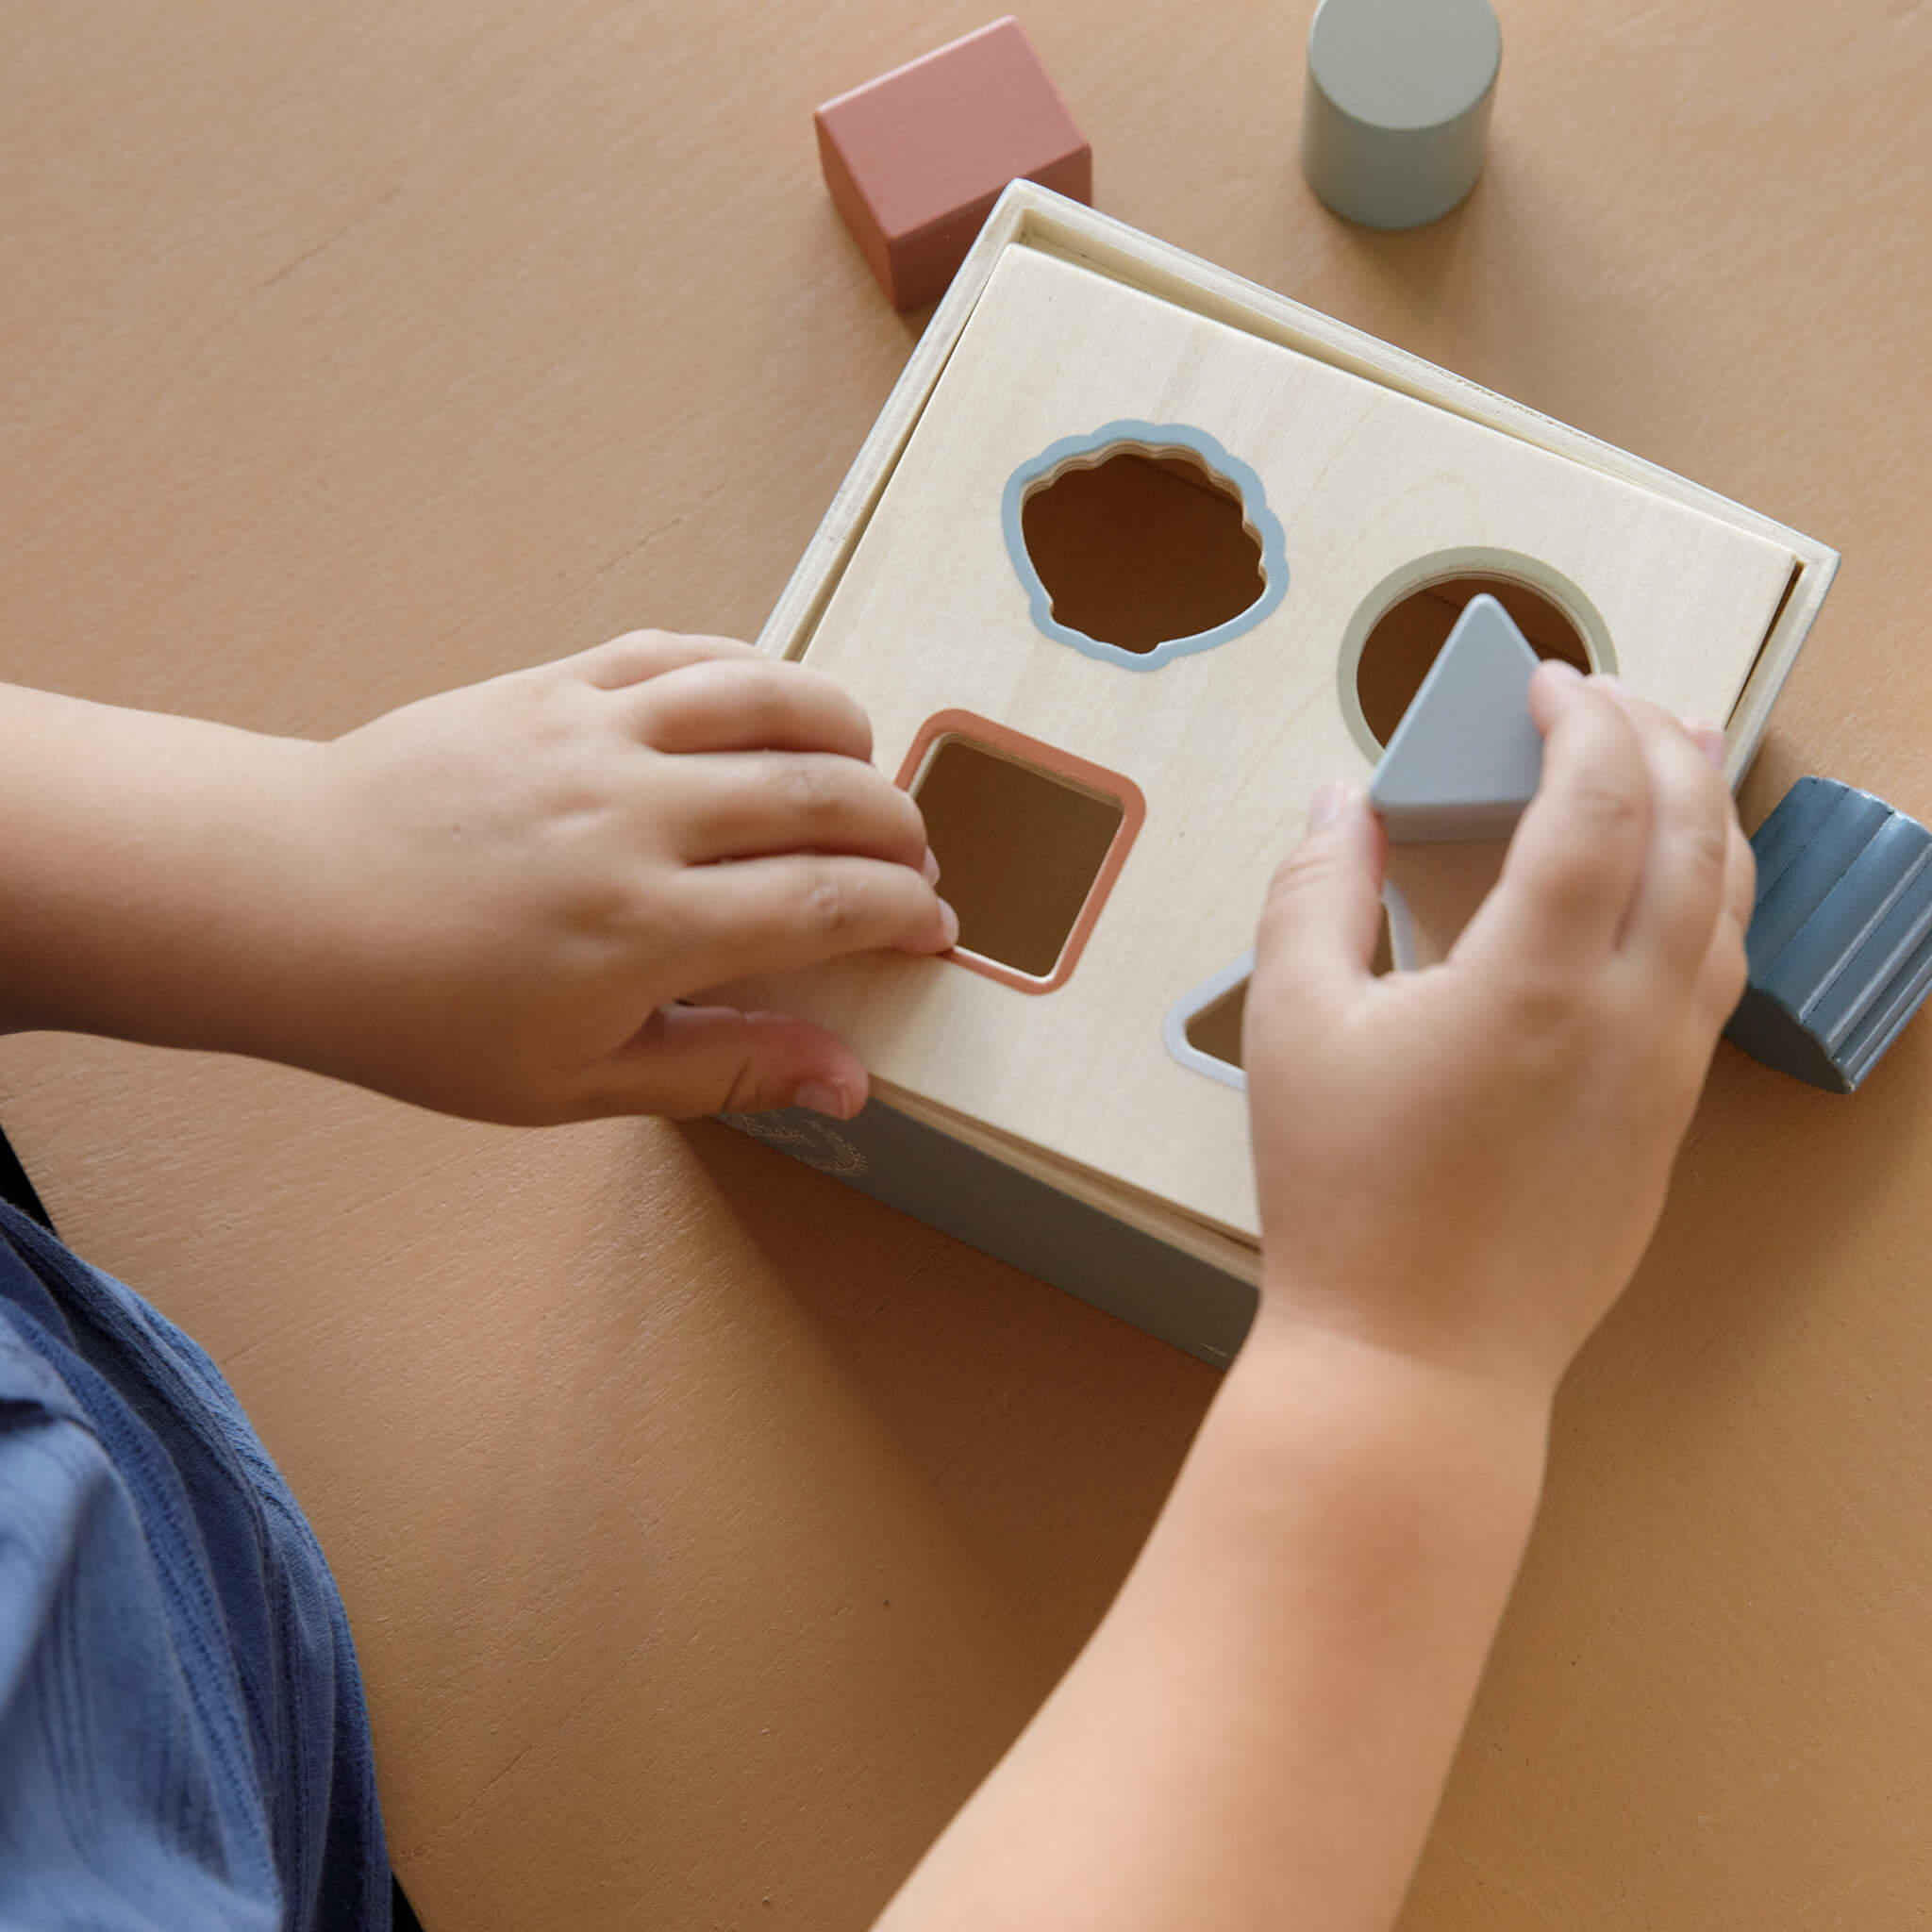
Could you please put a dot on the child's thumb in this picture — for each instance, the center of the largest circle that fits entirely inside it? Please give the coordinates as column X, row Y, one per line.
column 693, row 1060
column 1324, row 911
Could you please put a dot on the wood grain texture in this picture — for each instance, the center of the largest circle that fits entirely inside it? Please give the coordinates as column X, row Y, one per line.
column 1111, row 247
column 1228, row 744
column 352, row 352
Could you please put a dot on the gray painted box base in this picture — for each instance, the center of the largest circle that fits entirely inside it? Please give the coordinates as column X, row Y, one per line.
column 1021, row 1220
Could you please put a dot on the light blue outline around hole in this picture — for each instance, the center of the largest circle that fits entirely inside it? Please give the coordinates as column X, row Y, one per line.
column 1197, row 999
column 1153, row 439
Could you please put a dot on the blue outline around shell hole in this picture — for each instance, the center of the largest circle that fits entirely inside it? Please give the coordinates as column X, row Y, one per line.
column 1154, row 438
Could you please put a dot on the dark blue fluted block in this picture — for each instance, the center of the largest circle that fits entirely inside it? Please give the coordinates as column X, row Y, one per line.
column 1840, row 939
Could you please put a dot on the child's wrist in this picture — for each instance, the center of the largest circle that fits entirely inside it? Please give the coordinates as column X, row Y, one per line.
column 159, row 858
column 224, row 934
column 1421, row 1382
column 1429, row 1323
column 311, row 959
column 282, row 867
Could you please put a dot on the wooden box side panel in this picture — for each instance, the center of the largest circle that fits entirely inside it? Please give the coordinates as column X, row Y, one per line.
column 1086, row 1248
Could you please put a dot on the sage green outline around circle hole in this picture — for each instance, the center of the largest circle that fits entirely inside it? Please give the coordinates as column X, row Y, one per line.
column 1442, row 566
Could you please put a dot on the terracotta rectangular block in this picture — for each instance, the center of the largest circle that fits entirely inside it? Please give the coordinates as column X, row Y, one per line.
column 916, row 159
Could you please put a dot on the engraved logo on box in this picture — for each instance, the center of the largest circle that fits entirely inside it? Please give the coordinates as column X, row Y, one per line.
column 809, row 1140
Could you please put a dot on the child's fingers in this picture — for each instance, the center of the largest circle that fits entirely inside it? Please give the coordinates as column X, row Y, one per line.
column 1323, row 909
column 1680, row 890
column 691, row 1060
column 1578, row 854
column 639, row 655
column 1721, row 979
column 743, row 805
column 775, row 915
column 733, row 703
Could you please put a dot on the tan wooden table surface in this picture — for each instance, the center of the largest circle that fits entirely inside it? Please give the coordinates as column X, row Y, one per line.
column 707, row 1530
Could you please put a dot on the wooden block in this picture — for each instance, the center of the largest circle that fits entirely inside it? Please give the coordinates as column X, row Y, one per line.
column 1395, row 112
column 1466, row 756
column 1841, row 940
column 1376, row 493
column 916, row 159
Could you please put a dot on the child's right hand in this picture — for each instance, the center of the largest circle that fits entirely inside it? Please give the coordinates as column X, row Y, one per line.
column 1465, row 1164
column 1459, row 1169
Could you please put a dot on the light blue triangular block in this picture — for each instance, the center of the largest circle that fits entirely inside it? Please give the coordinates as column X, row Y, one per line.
column 1466, row 757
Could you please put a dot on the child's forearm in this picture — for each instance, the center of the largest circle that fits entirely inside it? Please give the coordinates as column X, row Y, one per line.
column 494, row 901
column 1458, row 1170
column 1259, row 1732
column 148, row 868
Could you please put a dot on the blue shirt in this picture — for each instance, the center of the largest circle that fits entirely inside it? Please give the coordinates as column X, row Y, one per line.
column 183, row 1738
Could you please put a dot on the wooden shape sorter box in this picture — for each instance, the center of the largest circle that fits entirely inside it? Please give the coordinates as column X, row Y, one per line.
column 1361, row 478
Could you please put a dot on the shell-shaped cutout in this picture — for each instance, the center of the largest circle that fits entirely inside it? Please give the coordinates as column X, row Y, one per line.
column 1141, row 543
column 1203, row 1028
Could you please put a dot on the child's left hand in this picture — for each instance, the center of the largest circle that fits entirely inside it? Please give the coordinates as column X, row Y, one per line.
column 513, row 883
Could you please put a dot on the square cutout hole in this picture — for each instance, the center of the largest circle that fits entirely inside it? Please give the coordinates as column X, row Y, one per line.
column 1029, row 839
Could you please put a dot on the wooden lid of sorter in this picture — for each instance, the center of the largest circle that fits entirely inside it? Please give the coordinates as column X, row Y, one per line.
column 926, row 615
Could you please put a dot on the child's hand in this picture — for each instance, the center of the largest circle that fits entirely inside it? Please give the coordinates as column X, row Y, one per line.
column 1465, row 1164
column 513, row 882
column 1458, row 1170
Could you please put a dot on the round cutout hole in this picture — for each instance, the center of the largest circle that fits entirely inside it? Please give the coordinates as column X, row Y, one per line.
column 1404, row 642
column 1137, row 548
